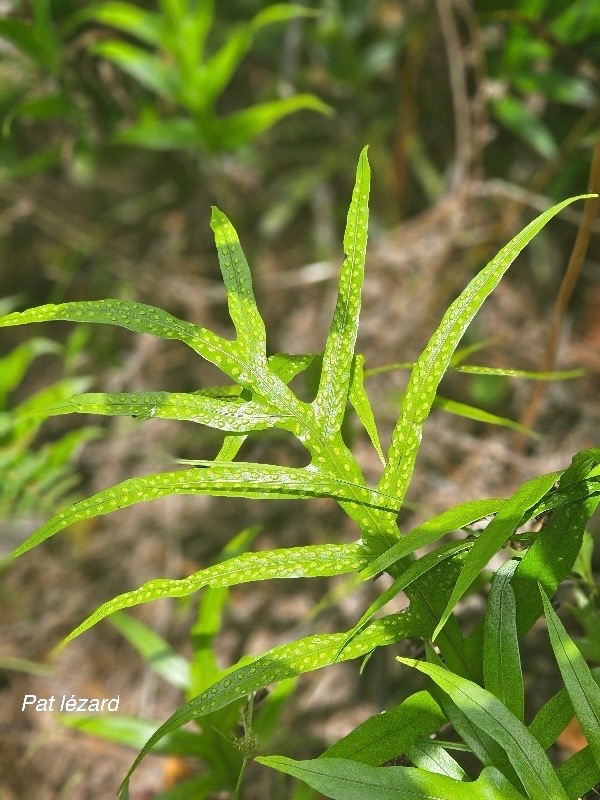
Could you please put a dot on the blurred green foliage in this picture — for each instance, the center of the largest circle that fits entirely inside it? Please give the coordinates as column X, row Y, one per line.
column 37, row 477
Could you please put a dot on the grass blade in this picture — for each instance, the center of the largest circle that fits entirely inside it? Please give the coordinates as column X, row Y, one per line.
column 294, row 562
column 133, row 732
column 502, row 672
column 579, row 683
column 330, row 402
column 487, row 713
column 157, row 652
column 435, row 359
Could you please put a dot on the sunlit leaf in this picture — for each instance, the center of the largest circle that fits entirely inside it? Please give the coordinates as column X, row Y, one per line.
column 490, row 715
column 435, row 359
column 336, row 372
column 294, row 562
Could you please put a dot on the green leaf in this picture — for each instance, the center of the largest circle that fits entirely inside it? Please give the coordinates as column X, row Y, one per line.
column 125, row 17
column 293, row 562
column 360, row 403
column 330, row 403
column 232, row 415
column 492, row 539
column 157, row 652
column 432, row 757
column 415, row 571
column 151, row 71
column 137, row 317
column 175, row 133
column 342, row 779
column 247, row 321
column 472, row 369
column 221, row 66
column 133, row 732
column 579, row 773
column 435, row 359
column 37, row 41
column 579, row 683
column 552, row 555
column 303, row 655
column 514, row 115
column 480, row 415
column 240, row 127
column 455, row 518
column 391, row 733
column 501, row 660
column 204, row 668
column 488, row 714
column 559, row 375
column 219, row 479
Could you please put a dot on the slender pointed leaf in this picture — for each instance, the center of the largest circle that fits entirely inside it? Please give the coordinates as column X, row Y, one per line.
column 435, row 359
column 219, row 479
column 133, row 732
column 233, row 415
column 137, row 317
column 432, row 757
column 221, row 66
column 455, row 518
column 360, row 402
column 579, row 774
column 238, row 128
column 157, row 652
column 125, row 17
column 342, row 779
column 480, row 743
column 248, row 323
column 551, row 557
column 480, row 415
column 501, row 659
column 492, row 539
column 579, row 683
column 415, row 571
column 294, row 562
column 330, row 402
column 152, row 72
column 490, row 715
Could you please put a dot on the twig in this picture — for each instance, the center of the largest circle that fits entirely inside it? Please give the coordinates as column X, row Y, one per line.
column 565, row 293
column 458, row 85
